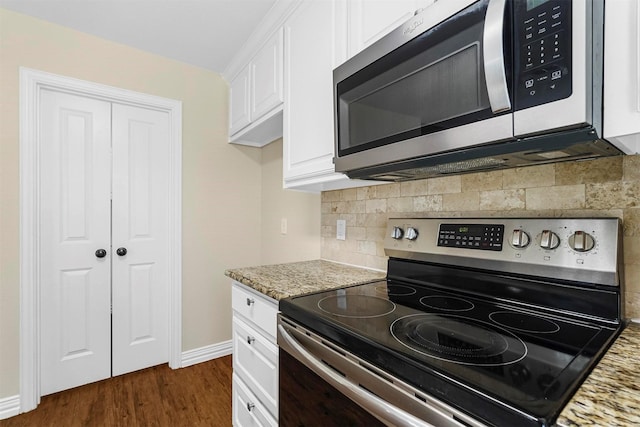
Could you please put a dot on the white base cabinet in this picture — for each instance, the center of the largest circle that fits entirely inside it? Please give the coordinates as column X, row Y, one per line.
column 255, row 358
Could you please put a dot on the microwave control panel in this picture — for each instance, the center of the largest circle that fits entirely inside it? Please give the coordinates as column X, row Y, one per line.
column 542, row 51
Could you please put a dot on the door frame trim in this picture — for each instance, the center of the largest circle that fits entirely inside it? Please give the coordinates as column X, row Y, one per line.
column 32, row 82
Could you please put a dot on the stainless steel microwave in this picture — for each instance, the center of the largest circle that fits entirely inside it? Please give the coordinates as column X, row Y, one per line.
column 474, row 85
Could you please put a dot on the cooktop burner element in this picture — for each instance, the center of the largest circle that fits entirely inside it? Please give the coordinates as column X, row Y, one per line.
column 504, row 334
column 356, row 306
column 524, row 322
column 397, row 290
column 446, row 303
column 459, row 339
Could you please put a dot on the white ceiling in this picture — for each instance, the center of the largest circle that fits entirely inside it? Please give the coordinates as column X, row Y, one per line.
column 206, row 33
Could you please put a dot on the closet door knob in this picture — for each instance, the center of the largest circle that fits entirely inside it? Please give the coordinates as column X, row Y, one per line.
column 121, row 251
column 101, row 253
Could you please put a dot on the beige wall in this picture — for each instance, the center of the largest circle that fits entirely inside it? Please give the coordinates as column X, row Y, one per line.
column 301, row 210
column 605, row 187
column 223, row 185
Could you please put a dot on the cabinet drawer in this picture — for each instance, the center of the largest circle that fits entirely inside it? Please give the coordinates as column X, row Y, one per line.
column 247, row 410
column 255, row 308
column 255, row 361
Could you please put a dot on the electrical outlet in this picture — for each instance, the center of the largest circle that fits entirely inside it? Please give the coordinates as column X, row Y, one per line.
column 283, row 226
column 341, row 229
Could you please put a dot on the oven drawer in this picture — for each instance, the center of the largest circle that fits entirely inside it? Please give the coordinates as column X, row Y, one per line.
column 247, row 409
column 258, row 309
column 255, row 360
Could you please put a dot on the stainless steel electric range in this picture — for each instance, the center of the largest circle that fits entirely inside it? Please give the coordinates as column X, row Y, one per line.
column 479, row 322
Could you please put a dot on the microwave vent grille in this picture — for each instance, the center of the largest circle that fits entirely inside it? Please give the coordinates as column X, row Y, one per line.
column 442, row 169
column 462, row 166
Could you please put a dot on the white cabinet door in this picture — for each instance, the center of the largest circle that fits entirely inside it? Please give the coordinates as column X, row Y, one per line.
column 266, row 77
column 622, row 74
column 255, row 360
column 370, row 20
column 239, row 101
column 247, row 410
column 315, row 42
column 256, row 309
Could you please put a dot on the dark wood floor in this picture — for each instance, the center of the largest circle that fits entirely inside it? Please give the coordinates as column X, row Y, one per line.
column 199, row 395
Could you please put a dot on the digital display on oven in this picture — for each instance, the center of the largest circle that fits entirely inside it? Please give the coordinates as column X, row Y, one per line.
column 488, row 237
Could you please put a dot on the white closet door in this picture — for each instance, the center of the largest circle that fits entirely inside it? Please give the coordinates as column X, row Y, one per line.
column 140, row 225
column 75, row 223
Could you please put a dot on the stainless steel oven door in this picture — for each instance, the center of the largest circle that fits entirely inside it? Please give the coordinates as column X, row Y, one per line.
column 390, row 401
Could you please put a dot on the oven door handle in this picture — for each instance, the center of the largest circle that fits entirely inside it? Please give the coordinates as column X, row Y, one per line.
column 493, row 53
column 384, row 411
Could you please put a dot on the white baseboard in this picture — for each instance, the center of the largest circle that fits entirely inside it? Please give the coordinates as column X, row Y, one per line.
column 204, row 354
column 9, row 406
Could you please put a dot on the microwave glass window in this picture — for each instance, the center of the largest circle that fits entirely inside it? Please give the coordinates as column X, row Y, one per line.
column 420, row 88
column 413, row 101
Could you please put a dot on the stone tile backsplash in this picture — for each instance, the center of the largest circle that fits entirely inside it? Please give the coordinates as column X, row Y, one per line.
column 603, row 187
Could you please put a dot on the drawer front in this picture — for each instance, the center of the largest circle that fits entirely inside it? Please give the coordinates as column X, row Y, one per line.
column 256, row 309
column 255, row 361
column 247, row 410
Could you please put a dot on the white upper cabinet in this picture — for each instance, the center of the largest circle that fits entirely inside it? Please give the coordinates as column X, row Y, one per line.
column 266, row 77
column 622, row 75
column 256, row 95
column 315, row 42
column 370, row 20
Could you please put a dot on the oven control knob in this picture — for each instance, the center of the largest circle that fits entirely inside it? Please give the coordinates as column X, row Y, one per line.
column 519, row 239
column 412, row 234
column 549, row 240
column 397, row 233
column 581, row 241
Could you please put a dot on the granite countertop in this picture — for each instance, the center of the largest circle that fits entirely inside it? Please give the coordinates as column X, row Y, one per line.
column 610, row 396
column 280, row 281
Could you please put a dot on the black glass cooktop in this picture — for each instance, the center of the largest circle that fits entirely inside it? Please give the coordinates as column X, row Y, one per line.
column 463, row 346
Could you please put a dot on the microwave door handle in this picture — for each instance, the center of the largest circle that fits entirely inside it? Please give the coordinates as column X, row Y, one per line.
column 493, row 51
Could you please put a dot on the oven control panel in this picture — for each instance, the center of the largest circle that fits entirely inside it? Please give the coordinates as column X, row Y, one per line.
column 574, row 248
column 486, row 237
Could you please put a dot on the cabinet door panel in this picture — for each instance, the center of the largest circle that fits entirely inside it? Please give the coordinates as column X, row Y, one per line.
column 370, row 20
column 255, row 360
column 255, row 309
column 239, row 115
column 247, row 410
column 266, row 77
column 313, row 47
